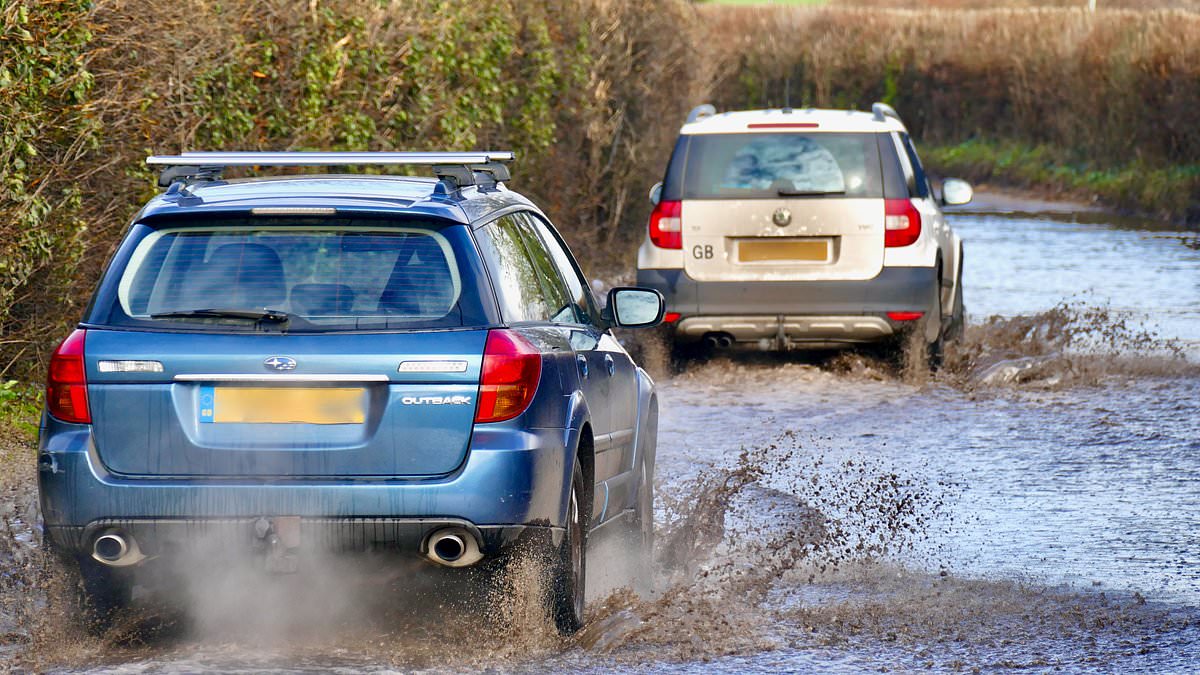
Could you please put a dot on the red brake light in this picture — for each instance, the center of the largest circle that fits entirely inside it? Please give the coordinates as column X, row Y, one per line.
column 905, row 316
column 671, row 317
column 512, row 368
column 66, row 384
column 666, row 225
column 901, row 222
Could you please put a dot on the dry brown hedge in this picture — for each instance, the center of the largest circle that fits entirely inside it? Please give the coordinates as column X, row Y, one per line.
column 1111, row 86
column 590, row 94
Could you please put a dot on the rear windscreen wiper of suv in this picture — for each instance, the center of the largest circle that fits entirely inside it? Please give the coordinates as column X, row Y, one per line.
column 809, row 193
column 273, row 315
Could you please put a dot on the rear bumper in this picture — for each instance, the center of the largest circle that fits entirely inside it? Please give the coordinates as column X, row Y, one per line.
column 165, row 537
column 806, row 312
column 512, row 481
column 801, row 329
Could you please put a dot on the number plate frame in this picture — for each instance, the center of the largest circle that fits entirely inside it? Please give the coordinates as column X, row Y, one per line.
column 282, row 405
column 783, row 250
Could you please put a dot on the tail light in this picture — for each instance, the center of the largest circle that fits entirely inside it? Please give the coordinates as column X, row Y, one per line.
column 905, row 316
column 672, row 317
column 666, row 225
column 66, row 384
column 901, row 222
column 512, row 368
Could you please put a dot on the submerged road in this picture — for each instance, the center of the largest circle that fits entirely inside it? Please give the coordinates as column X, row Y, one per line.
column 1032, row 507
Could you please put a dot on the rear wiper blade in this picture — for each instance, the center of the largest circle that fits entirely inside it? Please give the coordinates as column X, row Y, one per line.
column 274, row 315
column 809, row 193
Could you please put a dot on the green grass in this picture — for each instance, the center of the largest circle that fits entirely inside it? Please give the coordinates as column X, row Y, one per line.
column 1171, row 192
column 20, row 407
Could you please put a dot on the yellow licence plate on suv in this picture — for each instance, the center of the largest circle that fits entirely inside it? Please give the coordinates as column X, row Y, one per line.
column 283, row 405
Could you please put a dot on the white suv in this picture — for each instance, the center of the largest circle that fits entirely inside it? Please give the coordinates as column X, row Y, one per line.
column 787, row 229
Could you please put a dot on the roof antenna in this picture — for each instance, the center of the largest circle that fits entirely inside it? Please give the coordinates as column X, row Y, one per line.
column 787, row 93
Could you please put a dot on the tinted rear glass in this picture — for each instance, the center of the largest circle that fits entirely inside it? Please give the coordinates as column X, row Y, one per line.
column 757, row 166
column 328, row 277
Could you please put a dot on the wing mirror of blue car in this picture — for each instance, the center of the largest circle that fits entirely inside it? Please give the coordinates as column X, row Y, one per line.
column 630, row 307
column 656, row 194
column 956, row 191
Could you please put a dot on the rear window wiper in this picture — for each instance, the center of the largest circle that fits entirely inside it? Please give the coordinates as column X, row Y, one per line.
column 256, row 315
column 809, row 193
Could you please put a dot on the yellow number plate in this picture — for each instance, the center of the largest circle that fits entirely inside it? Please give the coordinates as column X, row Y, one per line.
column 782, row 250
column 288, row 405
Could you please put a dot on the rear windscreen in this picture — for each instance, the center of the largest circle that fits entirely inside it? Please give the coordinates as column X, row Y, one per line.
column 298, row 278
column 755, row 166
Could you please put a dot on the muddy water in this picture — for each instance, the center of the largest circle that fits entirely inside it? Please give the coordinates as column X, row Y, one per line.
column 1033, row 507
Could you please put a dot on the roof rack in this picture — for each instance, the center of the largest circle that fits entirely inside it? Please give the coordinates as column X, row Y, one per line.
column 460, row 168
column 882, row 111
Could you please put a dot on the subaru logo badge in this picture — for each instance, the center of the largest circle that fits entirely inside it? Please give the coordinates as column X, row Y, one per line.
column 280, row 363
column 782, row 217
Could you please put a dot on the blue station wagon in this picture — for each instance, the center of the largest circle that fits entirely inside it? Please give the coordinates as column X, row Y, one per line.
column 348, row 363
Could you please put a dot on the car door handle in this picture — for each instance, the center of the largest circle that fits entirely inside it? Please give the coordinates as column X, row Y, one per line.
column 609, row 364
column 582, row 361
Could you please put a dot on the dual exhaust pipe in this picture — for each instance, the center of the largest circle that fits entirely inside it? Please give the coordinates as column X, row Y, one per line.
column 718, row 340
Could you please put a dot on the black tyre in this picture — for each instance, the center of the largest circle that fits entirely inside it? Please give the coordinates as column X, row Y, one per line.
column 958, row 315
column 644, row 513
column 684, row 354
column 569, row 570
column 932, row 330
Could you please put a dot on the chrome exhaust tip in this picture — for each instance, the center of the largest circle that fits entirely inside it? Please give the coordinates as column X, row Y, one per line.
column 110, row 548
column 453, row 547
column 114, row 549
column 718, row 340
column 449, row 547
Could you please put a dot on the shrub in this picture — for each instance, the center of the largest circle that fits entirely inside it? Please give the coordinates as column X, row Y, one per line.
column 44, row 130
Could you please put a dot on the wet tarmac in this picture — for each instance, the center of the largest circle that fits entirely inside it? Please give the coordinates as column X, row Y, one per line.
column 1032, row 507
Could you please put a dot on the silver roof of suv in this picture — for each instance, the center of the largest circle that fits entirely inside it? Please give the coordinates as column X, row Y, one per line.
column 804, row 119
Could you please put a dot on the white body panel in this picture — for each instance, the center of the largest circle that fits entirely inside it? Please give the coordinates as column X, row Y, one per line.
column 850, row 229
column 713, row 229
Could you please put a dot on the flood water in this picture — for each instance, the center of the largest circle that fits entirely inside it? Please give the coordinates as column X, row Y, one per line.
column 1034, row 506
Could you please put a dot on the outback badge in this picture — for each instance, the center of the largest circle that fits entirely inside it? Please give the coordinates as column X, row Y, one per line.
column 280, row 363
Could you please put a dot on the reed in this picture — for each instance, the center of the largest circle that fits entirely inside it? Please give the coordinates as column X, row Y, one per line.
column 1108, row 87
column 1101, row 104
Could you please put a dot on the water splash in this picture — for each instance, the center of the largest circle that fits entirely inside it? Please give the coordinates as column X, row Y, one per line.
column 730, row 537
column 1071, row 344
column 1068, row 345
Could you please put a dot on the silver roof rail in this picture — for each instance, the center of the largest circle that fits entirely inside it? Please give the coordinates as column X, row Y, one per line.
column 460, row 167
column 700, row 112
column 882, row 111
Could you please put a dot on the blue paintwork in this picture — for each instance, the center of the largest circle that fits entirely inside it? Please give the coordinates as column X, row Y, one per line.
column 149, row 455
column 169, row 438
column 348, row 194
column 512, row 476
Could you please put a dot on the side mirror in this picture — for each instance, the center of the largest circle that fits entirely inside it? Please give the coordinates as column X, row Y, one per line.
column 630, row 307
column 656, row 194
column 955, row 192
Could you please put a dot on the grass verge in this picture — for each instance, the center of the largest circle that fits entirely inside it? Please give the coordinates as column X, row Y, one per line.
column 1171, row 193
column 20, row 410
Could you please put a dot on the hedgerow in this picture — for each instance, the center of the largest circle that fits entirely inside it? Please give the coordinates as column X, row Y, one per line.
column 589, row 93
